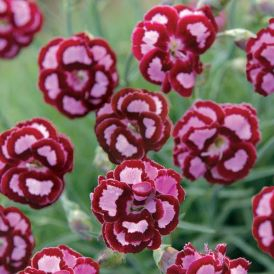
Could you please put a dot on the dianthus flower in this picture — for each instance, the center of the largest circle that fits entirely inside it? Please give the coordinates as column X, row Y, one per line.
column 168, row 43
column 33, row 161
column 260, row 60
column 16, row 240
column 60, row 260
column 189, row 260
column 263, row 222
column 134, row 122
column 19, row 22
column 216, row 141
column 137, row 203
column 77, row 74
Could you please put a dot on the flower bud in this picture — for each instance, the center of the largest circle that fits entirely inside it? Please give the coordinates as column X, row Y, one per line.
column 264, row 7
column 109, row 258
column 101, row 160
column 79, row 222
column 164, row 257
column 240, row 36
column 239, row 64
column 216, row 5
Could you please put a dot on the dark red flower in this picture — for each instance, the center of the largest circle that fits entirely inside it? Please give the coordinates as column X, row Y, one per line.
column 168, row 43
column 136, row 204
column 16, row 240
column 77, row 74
column 263, row 219
column 190, row 261
column 260, row 60
column 217, row 142
column 60, row 260
column 19, row 22
column 33, row 161
column 134, row 122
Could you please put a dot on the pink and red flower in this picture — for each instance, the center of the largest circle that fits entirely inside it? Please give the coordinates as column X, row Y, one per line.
column 216, row 141
column 33, row 161
column 189, row 260
column 168, row 43
column 137, row 203
column 16, row 240
column 260, row 60
column 134, row 122
column 263, row 222
column 77, row 74
column 60, row 260
column 19, row 22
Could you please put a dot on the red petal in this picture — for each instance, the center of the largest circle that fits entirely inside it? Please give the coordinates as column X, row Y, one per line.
column 48, row 260
column 263, row 202
column 154, row 66
column 20, row 142
column 148, row 37
column 48, row 54
column 40, row 189
column 169, row 220
column 110, row 198
column 130, row 172
column 164, row 15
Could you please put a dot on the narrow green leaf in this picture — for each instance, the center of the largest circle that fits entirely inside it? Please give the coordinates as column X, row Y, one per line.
column 195, row 227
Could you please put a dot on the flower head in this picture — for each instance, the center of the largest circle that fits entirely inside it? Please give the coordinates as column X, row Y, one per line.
column 216, row 141
column 77, row 74
column 60, row 260
column 263, row 219
column 134, row 122
column 137, row 202
column 33, row 161
column 19, row 22
column 168, row 43
column 189, row 260
column 16, row 240
column 260, row 60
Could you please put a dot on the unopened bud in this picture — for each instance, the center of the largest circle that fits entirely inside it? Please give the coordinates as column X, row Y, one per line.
column 101, row 160
column 216, row 5
column 109, row 258
column 265, row 7
column 240, row 36
column 239, row 64
column 79, row 222
column 164, row 257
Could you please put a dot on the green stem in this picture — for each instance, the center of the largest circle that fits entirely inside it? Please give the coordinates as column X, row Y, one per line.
column 4, row 122
column 127, row 69
column 97, row 18
column 213, row 203
column 68, row 9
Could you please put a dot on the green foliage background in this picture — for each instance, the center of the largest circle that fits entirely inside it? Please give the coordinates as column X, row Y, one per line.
column 211, row 213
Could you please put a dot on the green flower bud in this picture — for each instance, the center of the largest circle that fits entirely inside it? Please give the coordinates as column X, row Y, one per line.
column 109, row 258
column 164, row 257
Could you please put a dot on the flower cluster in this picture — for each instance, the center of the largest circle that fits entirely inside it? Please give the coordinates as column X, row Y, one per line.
column 189, row 260
column 16, row 240
column 260, row 60
column 216, row 141
column 137, row 203
column 134, row 122
column 263, row 222
column 77, row 74
column 168, row 44
column 19, row 22
column 33, row 161
column 60, row 260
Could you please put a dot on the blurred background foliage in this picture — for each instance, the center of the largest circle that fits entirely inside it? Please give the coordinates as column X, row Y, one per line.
column 210, row 213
